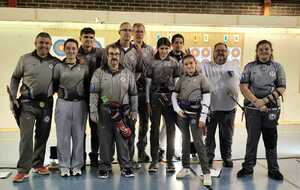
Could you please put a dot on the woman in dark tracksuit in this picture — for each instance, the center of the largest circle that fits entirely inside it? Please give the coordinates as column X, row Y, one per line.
column 262, row 83
column 161, row 76
column 191, row 99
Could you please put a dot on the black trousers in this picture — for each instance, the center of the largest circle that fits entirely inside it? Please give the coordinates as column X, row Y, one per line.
column 258, row 123
column 225, row 121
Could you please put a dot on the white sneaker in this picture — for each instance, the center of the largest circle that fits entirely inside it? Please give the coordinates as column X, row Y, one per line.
column 76, row 172
column 184, row 172
column 65, row 172
column 207, row 180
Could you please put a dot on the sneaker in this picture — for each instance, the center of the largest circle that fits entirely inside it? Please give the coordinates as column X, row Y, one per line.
column 276, row 175
column 243, row 173
column 170, row 168
column 127, row 172
column 207, row 180
column 153, row 168
column 228, row 163
column 183, row 173
column 20, row 177
column 65, row 172
column 103, row 174
column 76, row 172
column 41, row 170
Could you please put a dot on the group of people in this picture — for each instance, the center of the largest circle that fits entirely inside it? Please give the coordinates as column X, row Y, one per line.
column 128, row 81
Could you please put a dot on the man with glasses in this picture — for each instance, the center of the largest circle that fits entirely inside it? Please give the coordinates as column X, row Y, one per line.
column 132, row 60
column 146, row 52
column 224, row 83
column 93, row 57
column 113, row 85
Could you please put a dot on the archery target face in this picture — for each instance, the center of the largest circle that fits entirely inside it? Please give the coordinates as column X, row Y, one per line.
column 202, row 54
column 234, row 55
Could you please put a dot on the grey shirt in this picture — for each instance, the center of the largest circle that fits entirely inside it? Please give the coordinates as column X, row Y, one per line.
column 36, row 74
column 147, row 54
column 130, row 58
column 120, row 87
column 224, row 83
column 72, row 80
column 263, row 78
column 93, row 59
column 163, row 74
column 191, row 87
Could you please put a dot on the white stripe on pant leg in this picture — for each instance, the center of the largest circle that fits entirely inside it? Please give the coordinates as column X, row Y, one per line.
column 63, row 132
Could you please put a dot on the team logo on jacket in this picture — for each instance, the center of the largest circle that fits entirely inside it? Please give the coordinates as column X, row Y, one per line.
column 272, row 116
column 123, row 79
column 272, row 73
column 47, row 119
column 51, row 66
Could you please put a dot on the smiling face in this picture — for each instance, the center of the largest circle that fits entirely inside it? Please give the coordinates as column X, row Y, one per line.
column 163, row 51
column 87, row 40
column 113, row 55
column 264, row 52
column 220, row 54
column 42, row 45
column 71, row 50
column 189, row 65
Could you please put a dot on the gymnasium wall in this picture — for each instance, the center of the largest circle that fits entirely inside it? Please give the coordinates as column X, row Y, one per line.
column 17, row 38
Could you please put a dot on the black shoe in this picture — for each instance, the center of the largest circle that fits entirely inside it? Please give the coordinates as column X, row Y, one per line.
column 153, row 168
column 161, row 155
column 171, row 168
column 243, row 173
column 276, row 175
column 228, row 163
column 127, row 172
column 103, row 174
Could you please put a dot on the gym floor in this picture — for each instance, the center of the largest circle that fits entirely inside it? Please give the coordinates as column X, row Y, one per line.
column 288, row 151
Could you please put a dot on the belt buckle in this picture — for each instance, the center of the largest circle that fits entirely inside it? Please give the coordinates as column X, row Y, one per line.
column 42, row 104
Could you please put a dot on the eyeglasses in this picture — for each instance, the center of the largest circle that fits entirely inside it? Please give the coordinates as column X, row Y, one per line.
column 126, row 30
column 113, row 54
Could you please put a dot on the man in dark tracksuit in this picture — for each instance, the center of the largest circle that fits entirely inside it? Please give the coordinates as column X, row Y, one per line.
column 93, row 57
column 111, row 83
column 132, row 60
column 147, row 53
column 224, row 80
column 36, row 70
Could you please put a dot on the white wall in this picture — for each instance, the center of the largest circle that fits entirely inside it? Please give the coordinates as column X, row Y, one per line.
column 16, row 38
